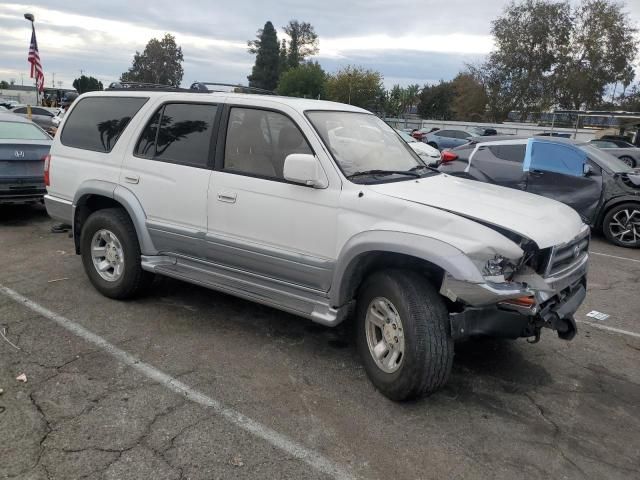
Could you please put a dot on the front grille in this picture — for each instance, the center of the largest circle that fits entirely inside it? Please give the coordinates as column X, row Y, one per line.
column 564, row 257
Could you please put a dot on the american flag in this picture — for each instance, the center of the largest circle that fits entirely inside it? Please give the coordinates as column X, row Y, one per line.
column 34, row 60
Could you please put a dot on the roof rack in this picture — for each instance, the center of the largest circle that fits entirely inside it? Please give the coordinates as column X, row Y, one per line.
column 204, row 87
column 145, row 86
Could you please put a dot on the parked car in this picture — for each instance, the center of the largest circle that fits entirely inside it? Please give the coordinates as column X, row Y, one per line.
column 442, row 139
column 625, row 151
column 483, row 131
column 42, row 116
column 601, row 188
column 318, row 209
column 23, row 148
column 427, row 153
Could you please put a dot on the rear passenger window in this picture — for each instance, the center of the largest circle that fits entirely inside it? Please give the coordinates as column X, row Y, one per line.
column 259, row 141
column 179, row 133
column 512, row 153
column 96, row 123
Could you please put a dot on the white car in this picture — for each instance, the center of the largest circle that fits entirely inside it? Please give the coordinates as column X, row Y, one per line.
column 314, row 208
column 430, row 155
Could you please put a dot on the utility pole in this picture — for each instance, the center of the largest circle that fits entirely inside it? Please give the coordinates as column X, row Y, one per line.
column 22, row 79
column 53, row 79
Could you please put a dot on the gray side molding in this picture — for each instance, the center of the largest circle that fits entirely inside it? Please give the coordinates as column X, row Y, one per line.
column 445, row 256
column 128, row 200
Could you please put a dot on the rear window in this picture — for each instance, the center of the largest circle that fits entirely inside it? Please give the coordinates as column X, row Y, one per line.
column 21, row 131
column 512, row 153
column 96, row 123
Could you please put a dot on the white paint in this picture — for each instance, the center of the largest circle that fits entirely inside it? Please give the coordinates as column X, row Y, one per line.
column 614, row 256
column 610, row 329
column 278, row 440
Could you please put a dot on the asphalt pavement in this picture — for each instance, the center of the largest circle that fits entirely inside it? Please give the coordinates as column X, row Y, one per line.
column 187, row 383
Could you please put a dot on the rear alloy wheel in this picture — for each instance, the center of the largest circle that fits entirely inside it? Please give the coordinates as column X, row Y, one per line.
column 628, row 160
column 403, row 334
column 621, row 225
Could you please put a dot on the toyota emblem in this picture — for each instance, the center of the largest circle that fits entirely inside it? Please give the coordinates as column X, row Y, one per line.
column 19, row 154
column 576, row 251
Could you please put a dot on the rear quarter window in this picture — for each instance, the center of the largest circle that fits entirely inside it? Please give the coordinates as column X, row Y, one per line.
column 511, row 153
column 96, row 123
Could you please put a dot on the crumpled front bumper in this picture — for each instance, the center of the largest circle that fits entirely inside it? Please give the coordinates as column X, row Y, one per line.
column 520, row 308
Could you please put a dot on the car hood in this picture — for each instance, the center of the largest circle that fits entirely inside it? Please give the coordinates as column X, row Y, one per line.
column 546, row 222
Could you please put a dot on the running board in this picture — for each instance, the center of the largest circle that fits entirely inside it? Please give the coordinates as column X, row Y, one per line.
column 289, row 298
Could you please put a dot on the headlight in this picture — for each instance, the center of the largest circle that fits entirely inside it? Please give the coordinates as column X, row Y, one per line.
column 498, row 269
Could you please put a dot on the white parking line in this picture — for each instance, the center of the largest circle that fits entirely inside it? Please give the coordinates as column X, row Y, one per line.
column 278, row 440
column 614, row 256
column 610, row 329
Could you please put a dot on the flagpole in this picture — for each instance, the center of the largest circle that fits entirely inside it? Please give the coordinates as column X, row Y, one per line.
column 32, row 19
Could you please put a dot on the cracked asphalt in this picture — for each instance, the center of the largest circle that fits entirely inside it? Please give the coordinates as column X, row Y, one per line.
column 511, row 410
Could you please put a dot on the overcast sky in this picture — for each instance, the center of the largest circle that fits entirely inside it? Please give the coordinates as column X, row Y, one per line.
column 407, row 41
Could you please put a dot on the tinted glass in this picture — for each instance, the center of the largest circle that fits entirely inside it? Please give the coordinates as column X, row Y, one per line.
column 512, row 153
column 445, row 133
column 21, row 131
column 184, row 134
column 96, row 123
column 147, row 142
column 41, row 111
column 604, row 144
column 19, row 110
column 462, row 135
column 259, row 141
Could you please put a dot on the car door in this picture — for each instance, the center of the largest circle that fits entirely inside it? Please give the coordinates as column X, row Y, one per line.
column 168, row 170
column 445, row 139
column 258, row 221
column 42, row 117
column 499, row 164
column 557, row 170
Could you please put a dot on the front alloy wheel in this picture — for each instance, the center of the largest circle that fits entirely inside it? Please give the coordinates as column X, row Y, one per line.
column 622, row 225
column 107, row 255
column 385, row 336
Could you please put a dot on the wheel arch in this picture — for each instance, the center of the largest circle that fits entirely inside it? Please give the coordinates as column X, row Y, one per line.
column 613, row 203
column 371, row 251
column 96, row 195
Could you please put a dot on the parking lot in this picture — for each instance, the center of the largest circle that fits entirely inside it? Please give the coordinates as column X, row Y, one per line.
column 191, row 383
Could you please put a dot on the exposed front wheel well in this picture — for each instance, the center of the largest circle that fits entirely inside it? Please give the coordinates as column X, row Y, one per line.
column 366, row 264
column 86, row 205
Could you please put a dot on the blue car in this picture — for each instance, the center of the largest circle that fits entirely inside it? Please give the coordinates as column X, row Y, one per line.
column 442, row 139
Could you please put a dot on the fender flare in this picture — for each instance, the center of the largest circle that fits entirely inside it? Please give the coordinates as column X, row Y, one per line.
column 447, row 257
column 124, row 197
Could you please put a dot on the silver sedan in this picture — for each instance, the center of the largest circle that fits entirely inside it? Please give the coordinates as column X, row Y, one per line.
column 629, row 153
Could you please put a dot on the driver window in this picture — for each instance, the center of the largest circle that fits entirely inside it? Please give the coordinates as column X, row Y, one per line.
column 551, row 157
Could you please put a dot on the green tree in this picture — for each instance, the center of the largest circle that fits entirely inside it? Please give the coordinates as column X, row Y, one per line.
column 356, row 86
column 600, row 52
column 87, row 84
column 4, row 84
column 266, row 48
column 529, row 38
column 284, row 57
column 469, row 98
column 396, row 101
column 303, row 42
column 161, row 62
column 436, row 101
column 307, row 80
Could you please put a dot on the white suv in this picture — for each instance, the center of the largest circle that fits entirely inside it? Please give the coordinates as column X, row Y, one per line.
column 318, row 209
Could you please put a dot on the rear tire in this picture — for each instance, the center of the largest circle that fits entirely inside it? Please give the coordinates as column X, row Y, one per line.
column 115, row 271
column 423, row 322
column 623, row 218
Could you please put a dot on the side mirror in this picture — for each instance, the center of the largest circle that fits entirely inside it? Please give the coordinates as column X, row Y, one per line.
column 305, row 169
column 587, row 170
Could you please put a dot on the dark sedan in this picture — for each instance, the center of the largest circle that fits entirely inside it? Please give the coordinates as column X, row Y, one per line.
column 23, row 148
column 601, row 188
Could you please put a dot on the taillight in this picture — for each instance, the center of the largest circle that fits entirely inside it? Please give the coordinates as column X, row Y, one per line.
column 447, row 156
column 47, row 165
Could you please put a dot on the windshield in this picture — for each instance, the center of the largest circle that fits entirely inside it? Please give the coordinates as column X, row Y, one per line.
column 406, row 137
column 21, row 131
column 360, row 142
column 606, row 160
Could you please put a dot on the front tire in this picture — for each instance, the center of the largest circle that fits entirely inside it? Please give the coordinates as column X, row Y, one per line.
column 628, row 160
column 111, row 254
column 403, row 335
column 621, row 225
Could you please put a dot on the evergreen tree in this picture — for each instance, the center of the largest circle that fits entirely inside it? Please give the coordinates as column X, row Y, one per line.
column 266, row 48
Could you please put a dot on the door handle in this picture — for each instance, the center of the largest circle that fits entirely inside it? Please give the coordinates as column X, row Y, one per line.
column 227, row 197
column 132, row 179
column 536, row 173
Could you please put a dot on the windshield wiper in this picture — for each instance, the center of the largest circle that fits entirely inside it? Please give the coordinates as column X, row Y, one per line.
column 384, row 172
column 413, row 169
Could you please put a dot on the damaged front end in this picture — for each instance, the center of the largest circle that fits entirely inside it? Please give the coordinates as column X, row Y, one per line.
column 544, row 289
